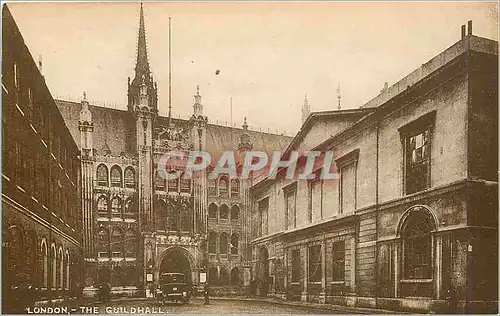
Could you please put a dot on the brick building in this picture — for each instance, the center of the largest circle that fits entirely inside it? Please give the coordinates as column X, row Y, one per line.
column 41, row 218
column 412, row 219
column 137, row 224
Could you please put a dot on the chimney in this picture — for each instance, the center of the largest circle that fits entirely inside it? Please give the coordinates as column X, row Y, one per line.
column 469, row 27
column 463, row 31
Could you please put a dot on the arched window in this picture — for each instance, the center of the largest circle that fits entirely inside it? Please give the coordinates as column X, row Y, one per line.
column 235, row 187
column 235, row 276
column 67, row 270
column 212, row 187
column 45, row 265
column 130, row 244
column 212, row 243
column 102, row 205
column 224, row 211
column 159, row 181
column 212, row 211
column 223, row 186
column 116, row 207
column 224, row 276
column 60, row 275
column 53, row 257
column 30, row 261
column 116, row 176
column 234, row 244
column 185, row 184
column 129, row 177
column 417, row 246
column 102, row 175
column 117, row 243
column 213, row 276
column 223, row 243
column 235, row 213
column 103, row 242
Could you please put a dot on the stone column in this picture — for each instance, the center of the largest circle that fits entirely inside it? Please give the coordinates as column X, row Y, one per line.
column 396, row 269
column 305, row 255
column 322, row 294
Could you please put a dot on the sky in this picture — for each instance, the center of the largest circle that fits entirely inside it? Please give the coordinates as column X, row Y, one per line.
column 269, row 55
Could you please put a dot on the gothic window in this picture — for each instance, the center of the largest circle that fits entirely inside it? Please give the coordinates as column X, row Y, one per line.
column 295, row 257
column 223, row 243
column 235, row 213
column 60, row 269
column 213, row 276
column 234, row 244
column 67, row 278
column 116, row 207
column 102, row 206
column 129, row 177
column 224, row 212
column 212, row 211
column 117, row 243
column 116, row 176
column 45, row 265
column 130, row 244
column 223, row 186
column 212, row 243
column 102, row 175
column 185, row 220
column 315, row 263
column 159, row 181
column 417, row 247
column 339, row 261
column 235, row 187
column 53, row 257
column 103, row 242
column 173, row 219
column 212, row 187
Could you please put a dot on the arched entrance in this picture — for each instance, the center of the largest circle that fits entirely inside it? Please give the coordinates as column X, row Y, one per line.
column 264, row 271
column 176, row 261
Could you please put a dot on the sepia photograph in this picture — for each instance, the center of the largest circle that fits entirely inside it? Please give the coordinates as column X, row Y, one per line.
column 249, row 157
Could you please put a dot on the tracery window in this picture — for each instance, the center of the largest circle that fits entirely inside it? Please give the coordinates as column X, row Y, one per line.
column 417, row 247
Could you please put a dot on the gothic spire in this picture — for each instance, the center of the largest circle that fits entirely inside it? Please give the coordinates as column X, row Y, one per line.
column 142, row 63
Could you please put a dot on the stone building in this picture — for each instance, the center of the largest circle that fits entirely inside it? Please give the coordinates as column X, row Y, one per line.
column 411, row 221
column 136, row 223
column 41, row 218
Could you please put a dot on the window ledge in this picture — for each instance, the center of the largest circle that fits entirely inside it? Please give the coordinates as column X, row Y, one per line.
column 315, row 282
column 416, row 281
column 337, row 283
column 294, row 283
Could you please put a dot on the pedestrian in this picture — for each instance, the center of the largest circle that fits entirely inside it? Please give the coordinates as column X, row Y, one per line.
column 206, row 293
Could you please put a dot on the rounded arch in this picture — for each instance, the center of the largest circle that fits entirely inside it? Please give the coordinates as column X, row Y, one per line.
column 213, row 276
column 223, row 186
column 116, row 176
column 45, row 263
column 423, row 210
column 102, row 175
column 235, row 187
column 53, row 259
column 212, row 211
column 182, row 250
column 67, row 278
column 60, row 268
column 177, row 260
column 224, row 211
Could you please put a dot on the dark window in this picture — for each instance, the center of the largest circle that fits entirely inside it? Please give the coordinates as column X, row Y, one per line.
column 116, row 176
column 235, row 213
column 116, row 206
column 223, row 243
column 103, row 242
column 212, row 187
column 185, row 220
column 159, row 181
column 212, row 211
column 224, row 212
column 417, row 161
column 212, row 243
column 102, row 206
column 315, row 263
column 172, row 219
column 102, row 175
column 129, row 178
column 339, row 261
column 417, row 247
column 117, row 243
column 295, row 265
